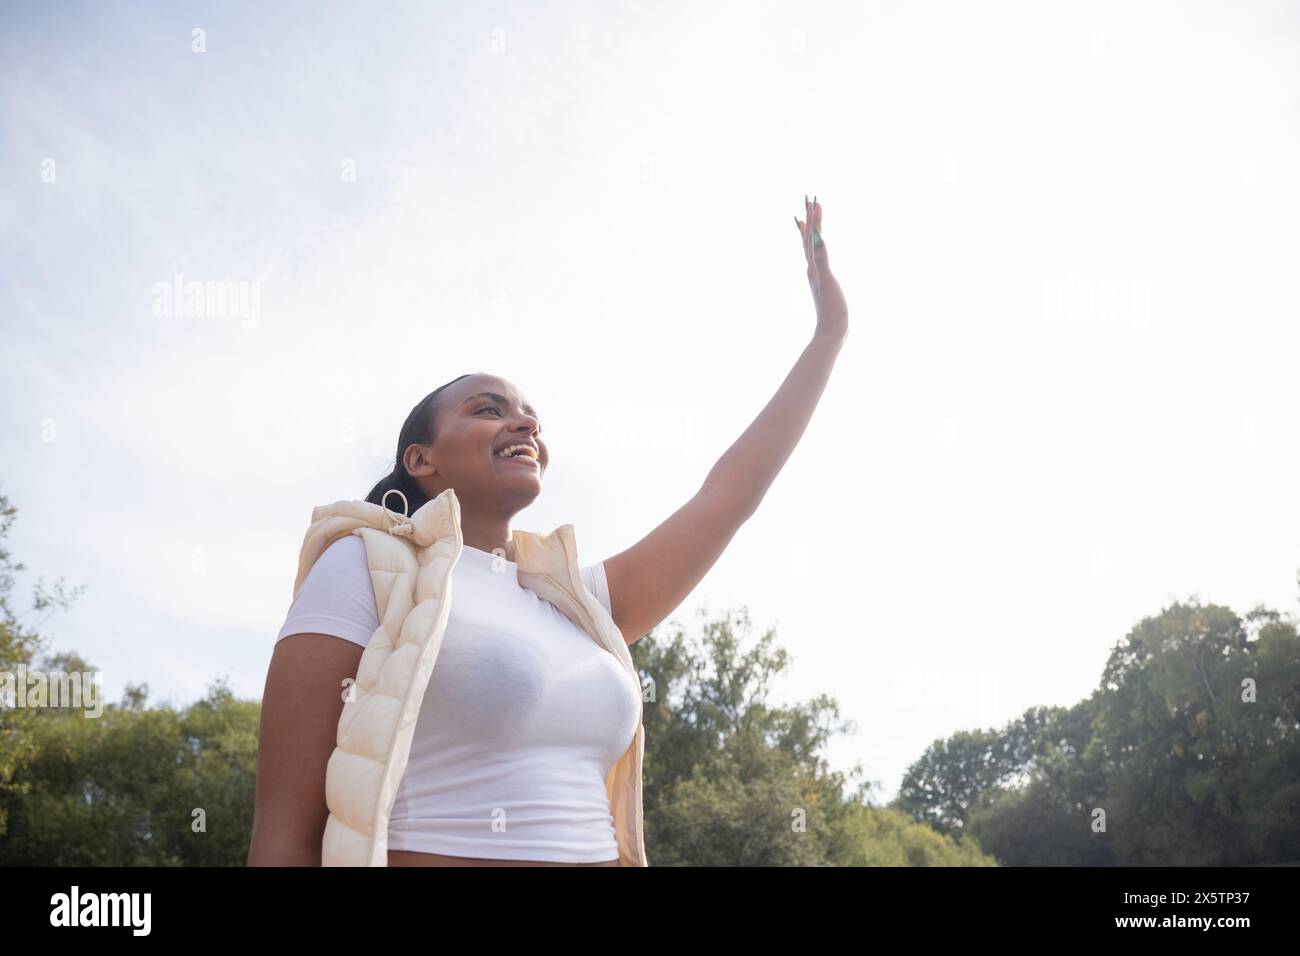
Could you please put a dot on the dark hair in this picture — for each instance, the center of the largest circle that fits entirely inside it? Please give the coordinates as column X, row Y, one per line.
column 416, row 430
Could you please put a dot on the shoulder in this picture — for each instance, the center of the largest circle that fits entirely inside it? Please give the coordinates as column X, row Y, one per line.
column 337, row 596
column 348, row 547
column 343, row 559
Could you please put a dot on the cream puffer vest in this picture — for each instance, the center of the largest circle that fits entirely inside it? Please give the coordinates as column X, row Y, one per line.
column 411, row 561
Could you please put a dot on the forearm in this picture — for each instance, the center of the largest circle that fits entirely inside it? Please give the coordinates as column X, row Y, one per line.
column 747, row 469
column 282, row 845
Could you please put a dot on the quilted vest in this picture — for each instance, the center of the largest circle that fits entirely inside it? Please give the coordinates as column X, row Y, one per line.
column 411, row 561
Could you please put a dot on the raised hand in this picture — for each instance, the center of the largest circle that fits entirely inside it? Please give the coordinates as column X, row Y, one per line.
column 832, row 310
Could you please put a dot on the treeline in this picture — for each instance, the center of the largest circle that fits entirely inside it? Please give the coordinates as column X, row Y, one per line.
column 1187, row 753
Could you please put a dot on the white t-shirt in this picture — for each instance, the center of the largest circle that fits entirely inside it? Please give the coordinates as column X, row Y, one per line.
column 523, row 717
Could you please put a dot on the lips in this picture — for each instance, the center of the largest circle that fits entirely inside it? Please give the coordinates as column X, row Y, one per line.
column 510, row 444
column 522, row 460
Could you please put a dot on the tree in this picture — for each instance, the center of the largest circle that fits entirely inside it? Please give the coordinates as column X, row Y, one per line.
column 734, row 781
column 19, row 645
column 1187, row 753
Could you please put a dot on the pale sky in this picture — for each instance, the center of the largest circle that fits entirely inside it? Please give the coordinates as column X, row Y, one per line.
column 1067, row 234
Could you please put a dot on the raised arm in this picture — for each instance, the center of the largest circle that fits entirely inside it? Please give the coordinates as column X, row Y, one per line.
column 651, row 578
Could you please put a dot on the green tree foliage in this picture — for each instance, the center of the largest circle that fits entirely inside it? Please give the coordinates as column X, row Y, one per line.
column 20, row 645
column 138, row 786
column 879, row 836
column 123, row 787
column 732, row 780
column 1187, row 754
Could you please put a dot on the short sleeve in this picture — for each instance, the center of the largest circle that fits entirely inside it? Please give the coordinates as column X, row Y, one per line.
column 336, row 598
column 593, row 576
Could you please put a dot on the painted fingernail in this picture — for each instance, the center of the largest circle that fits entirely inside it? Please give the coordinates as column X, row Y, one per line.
column 814, row 200
column 817, row 238
column 805, row 200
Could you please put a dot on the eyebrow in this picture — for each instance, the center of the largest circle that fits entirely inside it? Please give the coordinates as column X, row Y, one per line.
column 500, row 398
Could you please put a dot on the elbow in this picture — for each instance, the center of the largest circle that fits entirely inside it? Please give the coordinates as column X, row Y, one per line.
column 740, row 503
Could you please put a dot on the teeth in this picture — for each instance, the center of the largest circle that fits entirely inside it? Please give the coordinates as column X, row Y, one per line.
column 509, row 452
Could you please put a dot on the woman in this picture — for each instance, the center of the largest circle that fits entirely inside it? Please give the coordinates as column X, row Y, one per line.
column 524, row 713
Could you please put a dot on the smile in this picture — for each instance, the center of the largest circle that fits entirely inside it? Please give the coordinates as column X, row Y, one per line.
column 524, row 460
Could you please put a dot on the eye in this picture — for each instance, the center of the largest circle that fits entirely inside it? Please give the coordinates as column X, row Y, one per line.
column 483, row 408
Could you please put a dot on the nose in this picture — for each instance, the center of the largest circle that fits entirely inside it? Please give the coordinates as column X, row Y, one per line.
column 528, row 425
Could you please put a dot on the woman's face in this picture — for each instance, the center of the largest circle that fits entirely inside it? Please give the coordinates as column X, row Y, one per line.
column 478, row 417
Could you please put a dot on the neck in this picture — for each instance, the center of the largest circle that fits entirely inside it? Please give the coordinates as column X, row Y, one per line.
column 487, row 534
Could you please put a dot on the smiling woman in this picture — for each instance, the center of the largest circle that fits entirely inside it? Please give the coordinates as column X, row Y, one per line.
column 524, row 716
column 529, row 743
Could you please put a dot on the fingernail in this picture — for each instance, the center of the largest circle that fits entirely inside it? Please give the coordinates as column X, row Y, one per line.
column 805, row 200
column 817, row 237
column 814, row 199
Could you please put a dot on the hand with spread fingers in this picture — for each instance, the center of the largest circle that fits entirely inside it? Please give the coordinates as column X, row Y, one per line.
column 832, row 310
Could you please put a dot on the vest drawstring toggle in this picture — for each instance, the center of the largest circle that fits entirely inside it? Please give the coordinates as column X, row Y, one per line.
column 396, row 527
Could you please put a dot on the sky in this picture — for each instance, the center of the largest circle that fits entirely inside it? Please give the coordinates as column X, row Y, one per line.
column 1067, row 234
